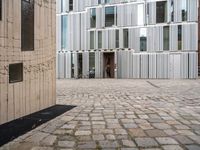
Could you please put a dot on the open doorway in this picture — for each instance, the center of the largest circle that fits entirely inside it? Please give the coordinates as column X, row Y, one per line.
column 80, row 65
column 108, row 64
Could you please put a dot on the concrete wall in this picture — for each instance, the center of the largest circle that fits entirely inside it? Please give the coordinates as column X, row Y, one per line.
column 37, row 90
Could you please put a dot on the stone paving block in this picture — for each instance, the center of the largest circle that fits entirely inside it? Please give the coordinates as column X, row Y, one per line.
column 37, row 137
column 146, row 142
column 193, row 147
column 109, row 144
column 155, row 133
column 137, row 132
column 98, row 137
column 120, row 131
column 195, row 138
column 49, row 140
column 130, row 125
column 41, row 148
column 183, row 139
column 83, row 132
column 166, row 141
column 161, row 126
column 110, row 137
column 128, row 143
column 87, row 145
column 67, row 144
column 172, row 147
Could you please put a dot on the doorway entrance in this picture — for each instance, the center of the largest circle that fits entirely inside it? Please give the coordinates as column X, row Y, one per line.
column 80, row 65
column 108, row 64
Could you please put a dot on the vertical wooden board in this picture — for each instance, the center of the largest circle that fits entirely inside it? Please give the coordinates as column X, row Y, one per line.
column 11, row 108
column 16, row 100
column 27, row 90
column 38, row 89
column 4, row 104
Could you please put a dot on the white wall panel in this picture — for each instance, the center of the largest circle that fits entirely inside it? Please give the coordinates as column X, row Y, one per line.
column 85, row 65
column 136, row 66
column 144, row 58
column 67, row 64
column 184, row 65
column 193, row 63
column 152, row 66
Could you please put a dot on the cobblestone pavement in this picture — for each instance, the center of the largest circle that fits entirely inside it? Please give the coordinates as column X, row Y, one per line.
column 121, row 114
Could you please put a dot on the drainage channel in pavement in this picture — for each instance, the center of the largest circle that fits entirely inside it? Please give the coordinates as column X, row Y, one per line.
column 11, row 130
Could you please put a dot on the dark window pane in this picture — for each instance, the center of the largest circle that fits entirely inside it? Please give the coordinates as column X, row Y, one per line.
column 72, row 64
column 64, row 32
column 15, row 73
column 179, row 37
column 166, row 38
column 125, row 38
column 93, row 18
column 0, row 9
column 172, row 10
column 143, row 43
column 27, row 25
column 92, row 65
column 161, row 12
column 99, row 1
column 184, row 10
column 143, row 39
column 70, row 5
column 109, row 16
column 107, row 1
column 99, row 39
column 117, row 39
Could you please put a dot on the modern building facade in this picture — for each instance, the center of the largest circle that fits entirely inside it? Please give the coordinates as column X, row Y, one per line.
column 127, row 39
column 27, row 57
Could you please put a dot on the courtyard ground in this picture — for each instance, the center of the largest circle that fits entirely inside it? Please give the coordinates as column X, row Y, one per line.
column 121, row 114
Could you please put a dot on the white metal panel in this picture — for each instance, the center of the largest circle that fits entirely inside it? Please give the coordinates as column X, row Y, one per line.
column 175, row 66
column 136, row 66
column 144, row 66
column 86, row 64
column 152, row 66
column 67, row 65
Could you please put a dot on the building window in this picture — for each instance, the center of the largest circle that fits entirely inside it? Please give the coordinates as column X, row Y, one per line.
column 99, row 1
column 107, row 1
column 15, row 72
column 63, row 5
column 125, row 34
column 184, row 10
column 143, row 39
column 92, row 40
column 27, row 25
column 179, row 37
column 166, row 38
column 109, row 16
column 172, row 10
column 0, row 9
column 99, row 39
column 64, row 32
column 92, row 65
column 161, row 12
column 117, row 38
column 72, row 65
column 70, row 5
column 93, row 18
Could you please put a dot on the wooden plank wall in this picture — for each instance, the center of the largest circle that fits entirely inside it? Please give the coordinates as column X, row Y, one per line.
column 37, row 90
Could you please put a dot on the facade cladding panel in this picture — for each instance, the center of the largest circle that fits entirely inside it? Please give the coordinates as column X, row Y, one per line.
column 27, row 57
column 127, row 38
